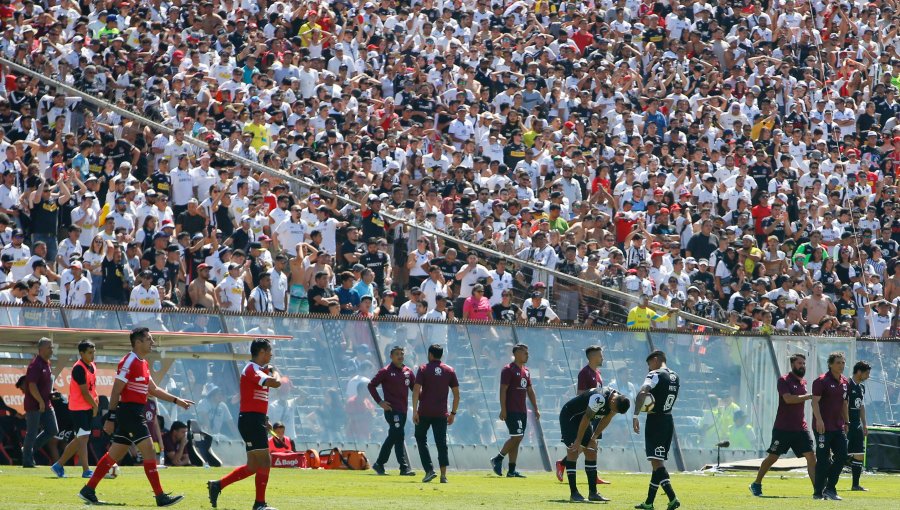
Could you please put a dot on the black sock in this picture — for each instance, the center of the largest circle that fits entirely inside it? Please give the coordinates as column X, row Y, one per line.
column 590, row 469
column 500, row 456
column 512, row 467
column 856, row 469
column 654, row 486
column 665, row 483
column 570, row 474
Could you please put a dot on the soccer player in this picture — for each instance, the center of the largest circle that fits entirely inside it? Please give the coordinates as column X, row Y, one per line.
column 859, row 429
column 434, row 381
column 125, row 421
column 588, row 378
column 579, row 434
column 663, row 384
column 256, row 379
column 790, row 431
column 396, row 381
column 831, row 418
column 82, row 409
column 515, row 384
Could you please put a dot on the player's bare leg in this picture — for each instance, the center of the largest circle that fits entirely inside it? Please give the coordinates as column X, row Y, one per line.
column 79, row 446
column 811, row 466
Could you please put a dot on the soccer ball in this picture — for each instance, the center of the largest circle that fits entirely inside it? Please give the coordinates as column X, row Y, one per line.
column 113, row 472
column 649, row 401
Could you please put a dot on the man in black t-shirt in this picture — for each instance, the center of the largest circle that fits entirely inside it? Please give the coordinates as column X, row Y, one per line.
column 377, row 261
column 113, row 291
column 320, row 296
column 191, row 221
column 506, row 310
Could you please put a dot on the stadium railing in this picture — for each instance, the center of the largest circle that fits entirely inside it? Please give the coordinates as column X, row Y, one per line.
column 328, row 358
column 619, row 300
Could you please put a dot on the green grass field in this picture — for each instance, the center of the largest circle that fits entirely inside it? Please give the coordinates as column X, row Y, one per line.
column 326, row 490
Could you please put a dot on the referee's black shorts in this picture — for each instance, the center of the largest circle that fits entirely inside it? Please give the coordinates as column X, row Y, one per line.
column 658, row 431
column 797, row 440
column 131, row 424
column 252, row 427
column 856, row 442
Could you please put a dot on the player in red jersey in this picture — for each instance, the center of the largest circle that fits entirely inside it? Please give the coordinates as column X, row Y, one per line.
column 515, row 385
column 126, row 422
column 588, row 378
column 256, row 379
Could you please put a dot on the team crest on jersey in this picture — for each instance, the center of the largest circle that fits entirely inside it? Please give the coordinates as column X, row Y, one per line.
column 523, row 382
column 438, row 371
column 858, row 403
column 672, row 376
column 596, row 402
column 406, row 381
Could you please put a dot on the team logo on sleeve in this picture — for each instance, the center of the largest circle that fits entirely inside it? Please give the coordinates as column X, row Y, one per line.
column 596, row 402
column 406, row 381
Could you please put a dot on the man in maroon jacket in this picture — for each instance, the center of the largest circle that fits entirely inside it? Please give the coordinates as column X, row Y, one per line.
column 831, row 419
column 396, row 381
column 434, row 381
column 39, row 416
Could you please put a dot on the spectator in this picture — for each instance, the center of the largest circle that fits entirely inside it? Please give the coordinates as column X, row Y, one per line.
column 477, row 307
column 175, row 443
column 279, row 442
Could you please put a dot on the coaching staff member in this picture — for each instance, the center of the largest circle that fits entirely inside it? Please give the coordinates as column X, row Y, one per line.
column 396, row 381
column 40, row 419
column 790, row 431
column 434, row 380
column 126, row 421
column 831, row 419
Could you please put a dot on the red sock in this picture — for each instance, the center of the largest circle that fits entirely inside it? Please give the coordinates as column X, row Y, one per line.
column 262, row 479
column 153, row 476
column 237, row 475
column 103, row 466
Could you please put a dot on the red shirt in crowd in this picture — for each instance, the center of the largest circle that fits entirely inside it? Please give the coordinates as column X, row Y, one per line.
column 478, row 309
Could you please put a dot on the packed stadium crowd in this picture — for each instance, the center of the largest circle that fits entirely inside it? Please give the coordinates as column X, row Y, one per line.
column 733, row 160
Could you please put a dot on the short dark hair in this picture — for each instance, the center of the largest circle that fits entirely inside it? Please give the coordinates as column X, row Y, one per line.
column 397, row 348
column 137, row 334
column 834, row 356
column 258, row 345
column 622, row 404
column 796, row 356
column 84, row 345
column 592, row 349
column 861, row 366
column 519, row 347
column 436, row 350
column 658, row 354
column 178, row 425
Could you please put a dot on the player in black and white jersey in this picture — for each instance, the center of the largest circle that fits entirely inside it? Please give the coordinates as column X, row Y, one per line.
column 662, row 384
column 579, row 435
column 858, row 430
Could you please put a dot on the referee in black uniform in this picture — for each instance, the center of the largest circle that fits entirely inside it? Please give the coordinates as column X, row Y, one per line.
column 858, row 430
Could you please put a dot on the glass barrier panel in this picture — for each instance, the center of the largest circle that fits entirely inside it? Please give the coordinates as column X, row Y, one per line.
column 212, row 385
column 882, row 395
column 624, row 367
column 94, row 319
column 710, row 372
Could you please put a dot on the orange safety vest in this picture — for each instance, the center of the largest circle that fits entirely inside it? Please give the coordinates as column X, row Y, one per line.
column 76, row 399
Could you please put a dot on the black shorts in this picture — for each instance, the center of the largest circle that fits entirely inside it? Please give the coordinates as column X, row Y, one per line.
column 82, row 422
column 252, row 427
column 856, row 442
column 658, row 431
column 516, row 424
column 783, row 440
column 569, row 428
column 131, row 425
